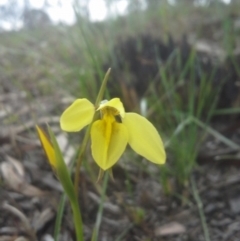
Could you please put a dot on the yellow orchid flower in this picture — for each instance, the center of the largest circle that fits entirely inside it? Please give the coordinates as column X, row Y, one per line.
column 115, row 129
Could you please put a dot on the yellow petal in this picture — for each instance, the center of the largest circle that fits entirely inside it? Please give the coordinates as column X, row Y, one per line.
column 79, row 114
column 47, row 146
column 144, row 138
column 109, row 141
column 114, row 103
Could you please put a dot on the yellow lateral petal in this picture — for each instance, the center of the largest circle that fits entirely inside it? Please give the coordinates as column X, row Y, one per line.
column 114, row 103
column 144, row 138
column 77, row 115
column 47, row 146
column 107, row 149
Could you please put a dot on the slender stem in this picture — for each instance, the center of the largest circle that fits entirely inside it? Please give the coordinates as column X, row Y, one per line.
column 87, row 134
column 100, row 209
column 102, row 88
column 59, row 216
column 200, row 210
column 79, row 159
column 77, row 219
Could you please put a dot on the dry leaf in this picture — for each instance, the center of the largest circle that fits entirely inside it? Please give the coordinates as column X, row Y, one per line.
column 170, row 229
column 12, row 173
column 21, row 238
column 6, row 238
column 44, row 217
column 17, row 165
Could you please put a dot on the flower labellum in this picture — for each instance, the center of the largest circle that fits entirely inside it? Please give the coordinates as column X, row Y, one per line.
column 113, row 131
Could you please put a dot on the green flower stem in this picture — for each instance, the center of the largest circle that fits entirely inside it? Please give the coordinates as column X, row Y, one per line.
column 102, row 88
column 100, row 209
column 79, row 159
column 59, row 216
column 87, row 134
column 92, row 176
column 77, row 219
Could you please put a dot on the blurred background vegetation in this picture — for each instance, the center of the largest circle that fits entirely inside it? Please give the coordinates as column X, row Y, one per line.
column 176, row 62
